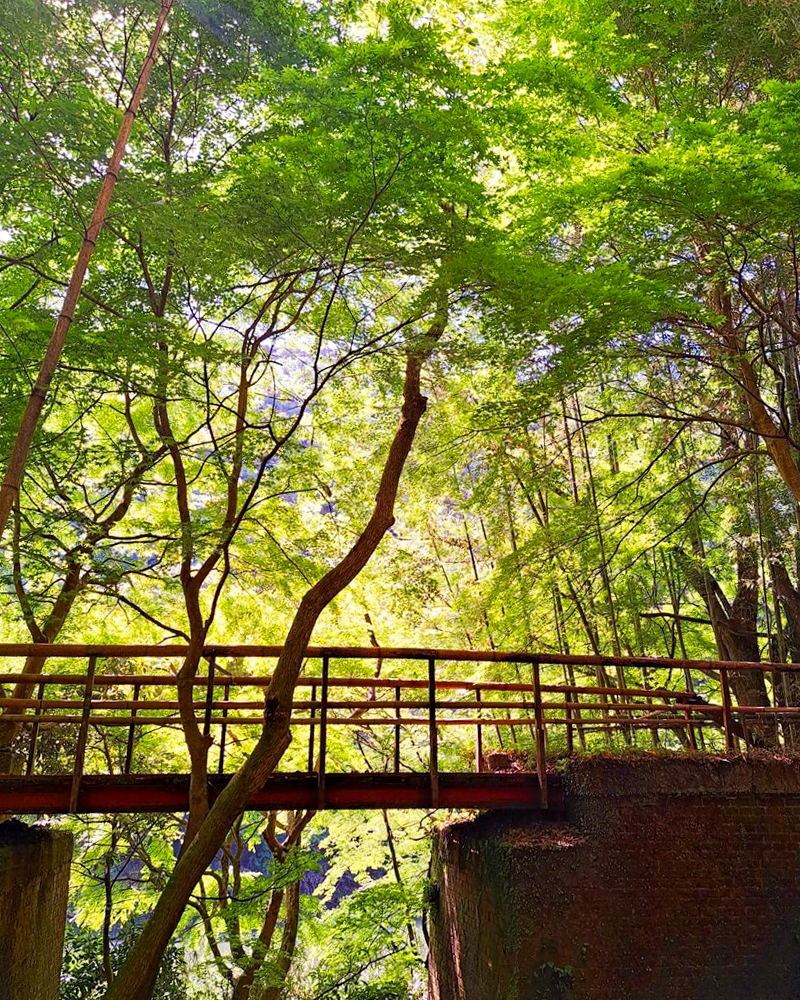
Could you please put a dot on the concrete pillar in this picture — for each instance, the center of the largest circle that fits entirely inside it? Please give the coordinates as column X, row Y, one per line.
column 34, row 889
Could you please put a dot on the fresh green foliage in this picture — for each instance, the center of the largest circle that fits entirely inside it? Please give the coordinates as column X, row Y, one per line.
column 603, row 198
column 83, row 976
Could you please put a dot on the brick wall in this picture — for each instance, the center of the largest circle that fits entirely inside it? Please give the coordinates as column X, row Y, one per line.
column 666, row 879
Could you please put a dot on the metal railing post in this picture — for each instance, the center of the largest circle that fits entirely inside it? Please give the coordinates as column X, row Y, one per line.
column 323, row 735
column 727, row 720
column 80, row 749
column 541, row 758
column 478, row 734
column 226, row 691
column 212, row 669
column 398, row 693
column 433, row 735
column 311, row 729
column 131, row 728
column 35, row 731
column 692, row 733
column 513, row 728
column 690, row 730
column 570, row 737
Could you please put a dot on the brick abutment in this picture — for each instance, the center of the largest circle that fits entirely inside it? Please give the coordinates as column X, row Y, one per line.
column 664, row 879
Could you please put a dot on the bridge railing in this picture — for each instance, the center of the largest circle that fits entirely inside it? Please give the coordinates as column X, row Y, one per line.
column 537, row 715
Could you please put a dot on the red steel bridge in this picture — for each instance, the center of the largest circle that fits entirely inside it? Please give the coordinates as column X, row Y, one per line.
column 430, row 735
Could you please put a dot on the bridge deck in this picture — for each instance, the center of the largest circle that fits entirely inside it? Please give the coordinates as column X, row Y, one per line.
column 90, row 730
column 170, row 793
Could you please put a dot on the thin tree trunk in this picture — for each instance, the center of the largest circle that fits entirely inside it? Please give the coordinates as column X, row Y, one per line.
column 475, row 574
column 571, row 460
column 291, row 920
column 108, row 886
column 9, row 491
column 601, row 543
column 568, row 669
column 396, row 868
column 245, row 982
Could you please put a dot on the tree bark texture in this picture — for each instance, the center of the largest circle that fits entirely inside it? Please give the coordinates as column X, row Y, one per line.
column 136, row 979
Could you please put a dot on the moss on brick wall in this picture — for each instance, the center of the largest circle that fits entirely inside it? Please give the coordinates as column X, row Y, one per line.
column 667, row 879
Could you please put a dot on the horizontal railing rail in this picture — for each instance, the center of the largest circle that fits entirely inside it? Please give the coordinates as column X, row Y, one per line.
column 147, row 650
column 552, row 713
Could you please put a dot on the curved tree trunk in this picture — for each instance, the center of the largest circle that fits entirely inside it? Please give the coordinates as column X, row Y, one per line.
column 136, row 978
